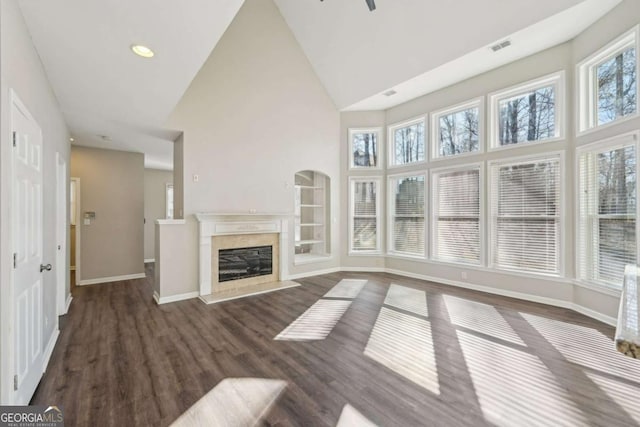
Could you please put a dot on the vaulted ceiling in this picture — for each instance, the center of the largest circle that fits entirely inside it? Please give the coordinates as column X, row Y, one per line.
column 114, row 99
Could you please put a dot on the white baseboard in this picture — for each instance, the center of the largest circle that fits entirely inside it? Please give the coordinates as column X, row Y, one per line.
column 149, row 260
column 174, row 298
column 48, row 351
column 511, row 294
column 68, row 304
column 111, row 279
column 312, row 273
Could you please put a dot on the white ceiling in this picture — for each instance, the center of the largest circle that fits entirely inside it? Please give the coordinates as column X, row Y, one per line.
column 102, row 87
column 411, row 46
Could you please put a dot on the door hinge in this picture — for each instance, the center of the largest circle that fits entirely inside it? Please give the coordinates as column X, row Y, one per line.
column 15, row 257
column 15, row 382
column 15, row 137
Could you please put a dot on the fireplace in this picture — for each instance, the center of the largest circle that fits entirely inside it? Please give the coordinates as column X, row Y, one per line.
column 241, row 251
column 243, row 263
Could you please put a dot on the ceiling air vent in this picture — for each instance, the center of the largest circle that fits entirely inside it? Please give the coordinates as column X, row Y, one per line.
column 390, row 93
column 496, row 47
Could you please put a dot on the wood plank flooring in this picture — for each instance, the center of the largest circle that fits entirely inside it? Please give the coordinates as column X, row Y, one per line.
column 122, row 360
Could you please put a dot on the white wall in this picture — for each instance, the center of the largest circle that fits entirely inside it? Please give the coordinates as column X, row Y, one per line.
column 155, row 199
column 561, row 291
column 22, row 71
column 255, row 114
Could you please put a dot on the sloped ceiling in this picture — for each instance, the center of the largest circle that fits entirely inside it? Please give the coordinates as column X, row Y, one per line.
column 412, row 46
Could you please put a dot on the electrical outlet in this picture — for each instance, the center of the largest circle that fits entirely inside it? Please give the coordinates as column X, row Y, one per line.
column 196, row 178
column 463, row 275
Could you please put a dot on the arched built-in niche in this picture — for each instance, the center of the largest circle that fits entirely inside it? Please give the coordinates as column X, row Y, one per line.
column 312, row 214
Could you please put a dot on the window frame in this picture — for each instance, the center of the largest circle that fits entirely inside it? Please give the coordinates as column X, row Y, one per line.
column 587, row 84
column 597, row 147
column 381, row 149
column 379, row 231
column 392, row 143
column 435, row 128
column 491, row 193
column 390, row 216
column 480, row 167
column 557, row 80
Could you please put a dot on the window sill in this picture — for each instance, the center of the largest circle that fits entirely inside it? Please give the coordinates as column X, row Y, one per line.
column 411, row 257
column 597, row 287
column 366, row 253
column 606, row 126
column 302, row 259
column 526, row 144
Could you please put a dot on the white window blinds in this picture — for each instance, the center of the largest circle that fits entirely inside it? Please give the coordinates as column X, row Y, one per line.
column 608, row 211
column 525, row 215
column 364, row 215
column 456, row 211
column 407, row 221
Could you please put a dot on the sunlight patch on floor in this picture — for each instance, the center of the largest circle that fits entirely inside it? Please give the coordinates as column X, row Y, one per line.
column 233, row 402
column 408, row 299
column 346, row 288
column 481, row 318
column 403, row 343
column 585, row 346
column 515, row 388
column 625, row 395
column 351, row 417
column 316, row 323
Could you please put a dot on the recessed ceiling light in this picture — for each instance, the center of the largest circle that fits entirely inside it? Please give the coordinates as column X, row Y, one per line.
column 142, row 50
column 71, row 139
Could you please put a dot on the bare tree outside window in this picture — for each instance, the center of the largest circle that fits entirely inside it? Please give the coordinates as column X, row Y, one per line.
column 617, row 90
column 458, row 132
column 409, row 144
column 365, row 149
column 528, row 117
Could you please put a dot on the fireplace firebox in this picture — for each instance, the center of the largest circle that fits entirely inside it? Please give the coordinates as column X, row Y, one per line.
column 242, row 263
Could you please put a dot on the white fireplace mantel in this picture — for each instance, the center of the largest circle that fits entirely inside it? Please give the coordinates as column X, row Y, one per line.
column 215, row 224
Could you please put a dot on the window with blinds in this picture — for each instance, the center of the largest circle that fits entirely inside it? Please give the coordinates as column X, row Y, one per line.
column 406, row 214
column 456, row 216
column 525, row 215
column 608, row 213
column 364, row 218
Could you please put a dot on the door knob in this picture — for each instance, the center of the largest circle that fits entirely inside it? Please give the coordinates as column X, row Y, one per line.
column 45, row 267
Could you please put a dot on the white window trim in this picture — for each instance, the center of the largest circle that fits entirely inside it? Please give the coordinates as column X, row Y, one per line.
column 556, row 79
column 586, row 90
column 390, row 208
column 379, row 231
column 435, row 128
column 606, row 144
column 482, row 218
column 381, row 150
column 560, row 155
column 392, row 143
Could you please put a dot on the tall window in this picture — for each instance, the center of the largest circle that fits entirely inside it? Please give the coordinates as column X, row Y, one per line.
column 407, row 143
column 608, row 210
column 406, row 214
column 607, row 83
column 364, row 221
column 525, row 215
column 528, row 113
column 457, row 130
column 456, row 215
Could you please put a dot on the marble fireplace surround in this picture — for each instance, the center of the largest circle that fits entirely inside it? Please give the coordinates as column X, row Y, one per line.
column 212, row 225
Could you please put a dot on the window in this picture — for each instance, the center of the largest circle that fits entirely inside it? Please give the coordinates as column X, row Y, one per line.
column 364, row 149
column 525, row 215
column 365, row 215
column 407, row 143
column 607, row 83
column 528, row 113
column 406, row 215
column 169, row 201
column 73, row 204
column 457, row 130
column 456, row 215
column 608, row 212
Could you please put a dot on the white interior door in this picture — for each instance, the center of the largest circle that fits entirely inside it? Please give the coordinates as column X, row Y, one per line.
column 27, row 243
column 61, row 233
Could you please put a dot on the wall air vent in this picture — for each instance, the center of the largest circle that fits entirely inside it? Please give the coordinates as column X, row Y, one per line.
column 498, row 46
column 390, row 93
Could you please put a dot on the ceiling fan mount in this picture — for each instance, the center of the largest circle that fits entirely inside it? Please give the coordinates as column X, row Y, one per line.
column 370, row 3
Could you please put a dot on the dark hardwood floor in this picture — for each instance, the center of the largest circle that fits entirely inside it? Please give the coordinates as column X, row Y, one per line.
column 466, row 359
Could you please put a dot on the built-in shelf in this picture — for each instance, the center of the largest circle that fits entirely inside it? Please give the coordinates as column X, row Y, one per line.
column 311, row 217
